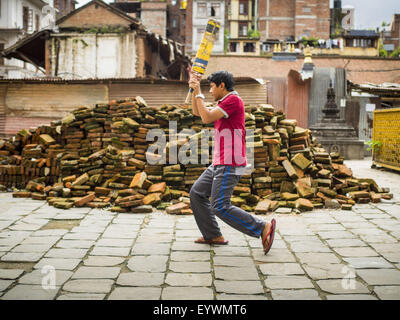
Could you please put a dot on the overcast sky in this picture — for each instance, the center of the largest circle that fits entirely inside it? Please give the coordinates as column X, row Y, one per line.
column 368, row 13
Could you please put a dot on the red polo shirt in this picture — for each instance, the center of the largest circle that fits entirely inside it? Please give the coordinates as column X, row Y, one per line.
column 230, row 132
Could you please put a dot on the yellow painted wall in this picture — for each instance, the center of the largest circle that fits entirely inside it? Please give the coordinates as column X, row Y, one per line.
column 348, row 51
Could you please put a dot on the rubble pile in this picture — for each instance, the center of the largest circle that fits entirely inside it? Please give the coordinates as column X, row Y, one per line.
column 100, row 157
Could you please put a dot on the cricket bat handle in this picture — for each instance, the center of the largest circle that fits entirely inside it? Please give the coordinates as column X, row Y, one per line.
column 189, row 96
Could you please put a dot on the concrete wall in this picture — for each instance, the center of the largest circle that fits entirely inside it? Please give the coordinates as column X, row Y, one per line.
column 85, row 55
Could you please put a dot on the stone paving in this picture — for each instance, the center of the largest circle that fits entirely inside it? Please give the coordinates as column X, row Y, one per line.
column 82, row 253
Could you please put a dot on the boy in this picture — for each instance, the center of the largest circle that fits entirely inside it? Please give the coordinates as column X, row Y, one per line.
column 229, row 162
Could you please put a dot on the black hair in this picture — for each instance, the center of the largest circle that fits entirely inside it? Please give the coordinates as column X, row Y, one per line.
column 222, row 76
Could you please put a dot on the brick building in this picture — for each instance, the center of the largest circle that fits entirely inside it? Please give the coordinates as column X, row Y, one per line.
column 391, row 37
column 293, row 19
column 64, row 6
column 167, row 18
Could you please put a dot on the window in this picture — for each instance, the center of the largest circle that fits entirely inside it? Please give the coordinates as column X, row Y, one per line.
column 243, row 27
column 202, row 9
column 30, row 20
column 25, row 18
column 233, row 47
column 36, row 22
column 199, row 35
column 174, row 24
column 1, row 58
column 307, row 10
column 215, row 10
column 249, row 47
column 243, row 7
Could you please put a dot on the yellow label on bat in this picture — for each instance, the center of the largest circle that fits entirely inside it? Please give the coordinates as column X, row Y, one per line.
column 206, row 46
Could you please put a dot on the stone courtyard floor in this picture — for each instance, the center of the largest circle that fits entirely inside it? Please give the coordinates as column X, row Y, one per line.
column 47, row 253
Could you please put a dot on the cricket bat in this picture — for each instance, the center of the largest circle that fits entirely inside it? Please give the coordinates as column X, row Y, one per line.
column 204, row 52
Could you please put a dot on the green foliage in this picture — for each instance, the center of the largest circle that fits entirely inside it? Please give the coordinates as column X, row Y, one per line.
column 106, row 29
column 395, row 53
column 382, row 52
column 310, row 41
column 373, row 145
column 226, row 40
column 253, row 34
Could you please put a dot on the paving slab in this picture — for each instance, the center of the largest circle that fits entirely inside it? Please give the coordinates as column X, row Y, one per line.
column 320, row 271
column 187, row 293
column 189, row 246
column 388, row 292
column 231, row 251
column 190, row 256
column 382, row 238
column 239, row 287
column 27, row 248
column 48, row 279
column 339, row 243
column 89, row 286
column 236, row 273
column 368, row 262
column 342, row 286
column 274, row 255
column 135, row 293
column 230, row 261
column 225, row 296
column 317, row 258
column 75, row 244
column 380, row 277
column 350, row 297
column 155, row 248
column 97, row 273
column 58, row 263
column 103, row 261
column 281, row 269
column 30, row 292
column 22, row 256
column 301, row 294
column 141, row 279
column 288, row 282
column 66, row 253
column 188, row 279
column 109, row 242
column 148, row 263
column 356, row 252
column 393, row 257
column 10, row 274
column 110, row 251
column 82, row 296
column 336, row 235
column 81, row 236
column 4, row 284
column 190, row 266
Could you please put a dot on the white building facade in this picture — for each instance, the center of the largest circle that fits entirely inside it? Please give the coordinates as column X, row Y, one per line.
column 202, row 11
column 18, row 19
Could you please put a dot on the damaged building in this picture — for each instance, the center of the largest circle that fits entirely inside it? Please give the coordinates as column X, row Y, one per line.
column 98, row 40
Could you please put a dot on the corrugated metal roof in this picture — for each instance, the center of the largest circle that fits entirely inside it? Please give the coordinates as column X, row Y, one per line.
column 99, row 80
column 361, row 33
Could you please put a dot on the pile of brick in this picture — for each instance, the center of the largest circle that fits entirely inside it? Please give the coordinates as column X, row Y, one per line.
column 98, row 157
